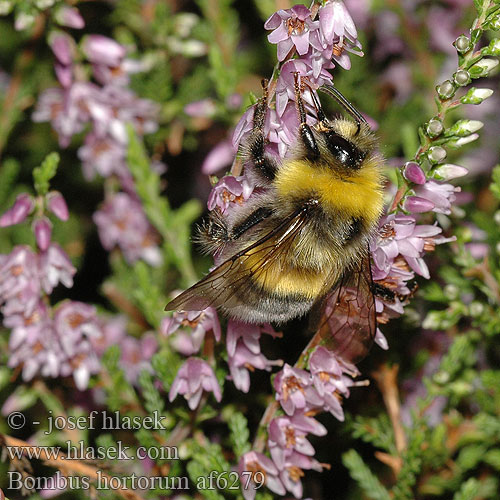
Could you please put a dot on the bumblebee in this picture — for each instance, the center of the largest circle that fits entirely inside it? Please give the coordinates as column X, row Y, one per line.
column 301, row 245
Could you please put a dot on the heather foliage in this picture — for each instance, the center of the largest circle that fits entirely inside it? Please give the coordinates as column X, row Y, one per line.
column 119, row 122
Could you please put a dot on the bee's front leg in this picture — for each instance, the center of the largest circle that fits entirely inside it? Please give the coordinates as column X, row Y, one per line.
column 306, row 134
column 265, row 165
column 214, row 234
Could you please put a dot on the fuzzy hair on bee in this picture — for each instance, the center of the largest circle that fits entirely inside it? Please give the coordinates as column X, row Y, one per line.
column 306, row 236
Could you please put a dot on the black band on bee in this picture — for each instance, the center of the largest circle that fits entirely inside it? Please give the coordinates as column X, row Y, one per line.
column 355, row 229
column 254, row 218
column 343, row 150
column 383, row 292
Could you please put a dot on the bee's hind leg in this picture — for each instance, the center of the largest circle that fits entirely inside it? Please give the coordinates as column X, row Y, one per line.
column 265, row 165
column 306, row 134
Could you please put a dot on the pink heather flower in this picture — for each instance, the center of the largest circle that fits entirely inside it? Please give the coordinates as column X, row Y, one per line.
column 57, row 205
column 62, row 46
column 19, row 281
column 243, row 349
column 414, row 173
column 22, row 207
column 336, row 22
column 55, row 268
column 283, row 130
column 329, row 380
column 287, row 435
column 293, row 471
column 121, row 222
column 257, row 463
column 58, row 347
column 243, row 127
column 221, row 156
column 136, row 355
column 205, row 108
column 285, row 84
column 114, row 330
column 75, row 323
column 103, row 155
column 69, row 17
column 291, row 27
column 194, row 326
column 119, row 75
column 68, row 111
column 229, row 190
column 103, row 50
column 441, row 195
column 295, row 390
column 194, row 377
column 418, row 205
column 399, row 234
column 42, row 228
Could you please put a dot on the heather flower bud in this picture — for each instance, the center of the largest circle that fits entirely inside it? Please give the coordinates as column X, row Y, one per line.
column 440, row 377
column 434, row 127
column 449, row 171
column 483, row 67
column 414, row 173
column 103, row 50
column 496, row 217
column 57, row 205
column 462, row 44
column 44, row 4
column 43, row 231
column 476, row 309
column 463, row 128
column 69, row 17
column 493, row 49
column 461, row 78
column 5, row 7
column 24, row 21
column 417, row 205
column 22, row 207
column 476, row 96
column 62, row 47
column 446, row 90
column 436, row 154
column 451, row 291
column 458, row 143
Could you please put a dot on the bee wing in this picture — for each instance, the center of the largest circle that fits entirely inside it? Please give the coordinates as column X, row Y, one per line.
column 345, row 318
column 219, row 287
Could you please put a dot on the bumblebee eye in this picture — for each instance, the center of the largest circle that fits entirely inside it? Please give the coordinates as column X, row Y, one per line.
column 343, row 150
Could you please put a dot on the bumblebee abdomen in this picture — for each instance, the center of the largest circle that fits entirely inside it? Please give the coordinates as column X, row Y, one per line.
column 278, row 295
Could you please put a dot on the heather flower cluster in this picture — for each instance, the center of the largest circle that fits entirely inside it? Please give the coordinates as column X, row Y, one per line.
column 50, row 341
column 102, row 108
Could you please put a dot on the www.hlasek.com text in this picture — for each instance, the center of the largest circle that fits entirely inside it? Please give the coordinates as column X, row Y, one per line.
column 80, row 451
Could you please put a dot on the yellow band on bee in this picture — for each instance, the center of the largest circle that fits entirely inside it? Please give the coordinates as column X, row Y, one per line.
column 356, row 195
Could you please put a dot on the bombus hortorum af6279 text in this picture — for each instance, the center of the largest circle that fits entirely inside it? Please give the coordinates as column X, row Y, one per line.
column 302, row 244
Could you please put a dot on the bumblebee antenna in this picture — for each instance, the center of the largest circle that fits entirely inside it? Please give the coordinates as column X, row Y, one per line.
column 335, row 93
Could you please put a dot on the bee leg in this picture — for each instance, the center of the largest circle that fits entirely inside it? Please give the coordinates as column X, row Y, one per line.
column 254, row 218
column 213, row 234
column 306, row 133
column 258, row 142
column 216, row 233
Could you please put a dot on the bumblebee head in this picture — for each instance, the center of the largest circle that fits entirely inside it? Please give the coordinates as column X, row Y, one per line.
column 344, row 144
